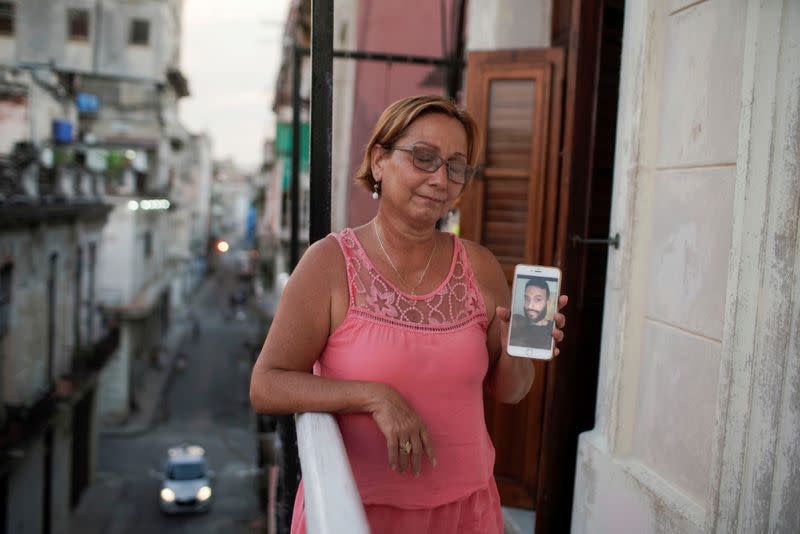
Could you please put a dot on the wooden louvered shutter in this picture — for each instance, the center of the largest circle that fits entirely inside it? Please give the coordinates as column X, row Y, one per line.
column 515, row 97
column 511, row 208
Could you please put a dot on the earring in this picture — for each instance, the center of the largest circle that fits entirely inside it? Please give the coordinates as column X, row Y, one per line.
column 376, row 190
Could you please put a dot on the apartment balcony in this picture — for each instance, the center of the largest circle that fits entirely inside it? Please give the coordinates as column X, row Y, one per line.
column 75, row 175
column 87, row 363
column 21, row 425
column 332, row 501
column 31, row 194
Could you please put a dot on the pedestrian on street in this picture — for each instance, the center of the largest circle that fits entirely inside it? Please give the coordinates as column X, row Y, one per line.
column 404, row 327
column 195, row 322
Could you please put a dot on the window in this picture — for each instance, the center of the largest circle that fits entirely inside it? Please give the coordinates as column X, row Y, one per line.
column 187, row 471
column 5, row 297
column 7, row 18
column 78, row 24
column 140, row 32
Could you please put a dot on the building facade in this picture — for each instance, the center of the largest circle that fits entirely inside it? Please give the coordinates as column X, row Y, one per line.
column 119, row 62
column 672, row 127
column 275, row 225
column 191, row 193
column 697, row 413
column 104, row 206
column 54, row 342
column 232, row 195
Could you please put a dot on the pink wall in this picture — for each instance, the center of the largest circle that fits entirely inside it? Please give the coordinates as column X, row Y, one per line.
column 410, row 27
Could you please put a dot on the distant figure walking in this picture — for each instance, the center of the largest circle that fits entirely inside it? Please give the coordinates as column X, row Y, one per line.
column 195, row 328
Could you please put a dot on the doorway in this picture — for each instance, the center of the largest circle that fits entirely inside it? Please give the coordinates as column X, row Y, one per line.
column 547, row 171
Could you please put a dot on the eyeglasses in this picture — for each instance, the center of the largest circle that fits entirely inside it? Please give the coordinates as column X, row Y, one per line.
column 427, row 159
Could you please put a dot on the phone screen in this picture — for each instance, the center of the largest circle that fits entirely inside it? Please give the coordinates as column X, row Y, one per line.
column 533, row 305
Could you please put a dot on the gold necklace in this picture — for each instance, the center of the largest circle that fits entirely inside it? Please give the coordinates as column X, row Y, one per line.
column 402, row 278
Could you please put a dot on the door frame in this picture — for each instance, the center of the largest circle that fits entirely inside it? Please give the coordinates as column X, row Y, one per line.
column 547, row 67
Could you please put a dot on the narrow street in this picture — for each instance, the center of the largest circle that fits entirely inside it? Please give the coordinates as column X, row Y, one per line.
column 206, row 403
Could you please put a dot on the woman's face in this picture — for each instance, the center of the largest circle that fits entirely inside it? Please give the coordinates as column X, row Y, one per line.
column 423, row 196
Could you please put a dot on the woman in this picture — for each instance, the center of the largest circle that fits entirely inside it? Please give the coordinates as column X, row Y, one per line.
column 403, row 326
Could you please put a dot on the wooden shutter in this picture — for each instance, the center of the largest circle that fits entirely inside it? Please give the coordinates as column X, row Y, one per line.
column 511, row 208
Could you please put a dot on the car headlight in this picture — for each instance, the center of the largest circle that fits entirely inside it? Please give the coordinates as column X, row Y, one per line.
column 167, row 495
column 204, row 493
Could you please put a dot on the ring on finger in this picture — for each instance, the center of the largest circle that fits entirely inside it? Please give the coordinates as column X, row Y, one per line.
column 405, row 448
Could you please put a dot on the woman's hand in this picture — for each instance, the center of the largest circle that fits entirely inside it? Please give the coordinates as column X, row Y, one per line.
column 559, row 322
column 406, row 435
column 504, row 314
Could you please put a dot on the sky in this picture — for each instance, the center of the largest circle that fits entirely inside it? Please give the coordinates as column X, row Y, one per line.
column 231, row 54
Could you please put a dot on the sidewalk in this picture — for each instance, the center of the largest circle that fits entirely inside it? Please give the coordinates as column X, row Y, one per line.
column 518, row 521
column 152, row 385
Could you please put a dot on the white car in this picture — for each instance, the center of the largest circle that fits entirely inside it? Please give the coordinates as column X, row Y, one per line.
column 186, row 483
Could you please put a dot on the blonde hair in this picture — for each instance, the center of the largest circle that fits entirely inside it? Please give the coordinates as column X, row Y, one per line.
column 395, row 120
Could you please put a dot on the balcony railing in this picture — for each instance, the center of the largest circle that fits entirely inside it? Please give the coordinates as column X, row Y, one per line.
column 332, row 502
column 31, row 184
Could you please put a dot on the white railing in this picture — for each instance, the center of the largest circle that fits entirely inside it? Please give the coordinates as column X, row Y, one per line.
column 332, row 502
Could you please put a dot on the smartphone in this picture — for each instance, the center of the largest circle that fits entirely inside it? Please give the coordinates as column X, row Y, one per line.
column 534, row 303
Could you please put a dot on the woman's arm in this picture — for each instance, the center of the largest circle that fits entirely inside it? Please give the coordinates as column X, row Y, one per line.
column 509, row 378
column 282, row 382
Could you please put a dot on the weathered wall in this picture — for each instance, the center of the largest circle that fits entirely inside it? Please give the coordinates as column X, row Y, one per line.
column 29, row 116
column 345, row 16
column 42, row 34
column 41, row 37
column 505, row 24
column 114, row 385
column 25, row 346
column 755, row 485
column 25, row 501
column 115, row 277
column 697, row 395
column 62, row 472
column 412, row 27
column 201, row 172
column 129, row 278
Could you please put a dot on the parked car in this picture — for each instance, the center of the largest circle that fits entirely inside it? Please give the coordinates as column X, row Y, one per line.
column 187, row 481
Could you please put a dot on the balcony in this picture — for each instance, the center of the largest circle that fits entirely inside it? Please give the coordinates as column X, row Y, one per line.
column 332, row 502
column 87, row 362
column 31, row 194
column 22, row 424
column 94, row 358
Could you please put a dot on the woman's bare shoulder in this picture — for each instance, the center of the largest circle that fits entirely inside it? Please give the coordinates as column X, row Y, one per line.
column 481, row 259
column 322, row 262
column 326, row 248
column 488, row 273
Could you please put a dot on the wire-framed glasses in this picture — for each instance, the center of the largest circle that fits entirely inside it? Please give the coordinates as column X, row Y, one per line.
column 428, row 159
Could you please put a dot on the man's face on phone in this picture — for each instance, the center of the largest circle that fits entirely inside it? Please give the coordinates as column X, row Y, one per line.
column 535, row 303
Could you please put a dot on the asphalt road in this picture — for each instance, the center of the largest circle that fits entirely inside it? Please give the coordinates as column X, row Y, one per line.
column 206, row 403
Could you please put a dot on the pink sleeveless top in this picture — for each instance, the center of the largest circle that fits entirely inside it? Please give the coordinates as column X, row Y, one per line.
column 432, row 350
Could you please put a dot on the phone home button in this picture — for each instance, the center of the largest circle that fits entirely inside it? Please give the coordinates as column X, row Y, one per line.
column 529, row 352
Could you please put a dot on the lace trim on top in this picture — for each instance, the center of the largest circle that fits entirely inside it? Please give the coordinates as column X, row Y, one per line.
column 456, row 303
